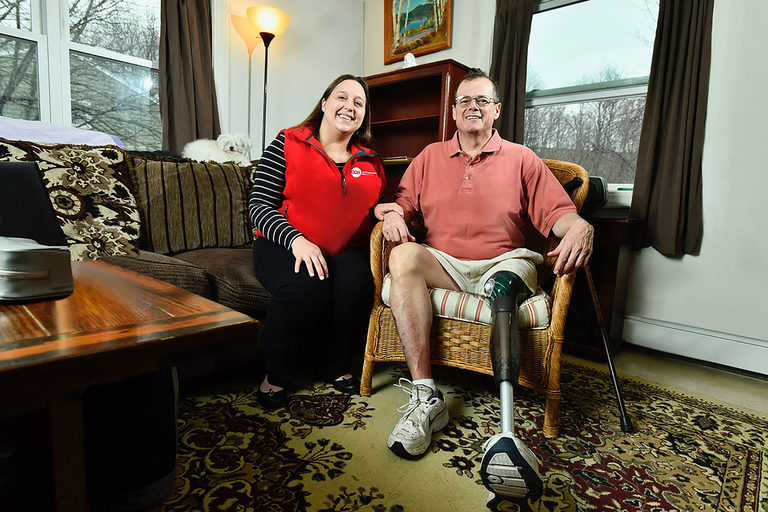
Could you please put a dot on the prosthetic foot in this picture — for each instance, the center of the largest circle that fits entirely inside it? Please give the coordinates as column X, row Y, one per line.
column 509, row 469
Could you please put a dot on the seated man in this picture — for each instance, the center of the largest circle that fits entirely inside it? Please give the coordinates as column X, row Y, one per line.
column 475, row 193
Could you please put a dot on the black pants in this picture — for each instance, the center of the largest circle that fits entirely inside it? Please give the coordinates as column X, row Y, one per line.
column 309, row 316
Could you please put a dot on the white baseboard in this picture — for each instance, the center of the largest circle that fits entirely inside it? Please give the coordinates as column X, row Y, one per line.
column 717, row 347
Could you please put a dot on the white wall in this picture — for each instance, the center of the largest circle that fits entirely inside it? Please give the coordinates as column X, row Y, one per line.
column 324, row 40
column 715, row 306
column 712, row 306
column 471, row 44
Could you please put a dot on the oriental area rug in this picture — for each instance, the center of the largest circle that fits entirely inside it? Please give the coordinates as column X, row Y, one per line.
column 327, row 452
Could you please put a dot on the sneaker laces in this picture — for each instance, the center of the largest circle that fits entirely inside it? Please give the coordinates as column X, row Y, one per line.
column 414, row 401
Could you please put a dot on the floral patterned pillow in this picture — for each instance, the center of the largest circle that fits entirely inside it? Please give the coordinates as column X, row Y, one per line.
column 90, row 190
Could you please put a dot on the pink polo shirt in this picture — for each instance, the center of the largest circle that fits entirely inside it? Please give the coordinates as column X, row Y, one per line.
column 475, row 209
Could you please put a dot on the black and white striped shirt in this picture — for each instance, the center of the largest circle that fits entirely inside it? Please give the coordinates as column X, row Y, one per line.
column 267, row 195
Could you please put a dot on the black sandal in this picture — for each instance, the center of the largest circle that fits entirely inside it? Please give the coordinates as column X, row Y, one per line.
column 349, row 386
column 272, row 399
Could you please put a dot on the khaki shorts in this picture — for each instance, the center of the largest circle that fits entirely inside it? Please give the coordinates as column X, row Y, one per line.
column 471, row 275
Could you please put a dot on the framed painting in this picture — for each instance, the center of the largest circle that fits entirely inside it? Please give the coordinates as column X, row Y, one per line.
column 416, row 26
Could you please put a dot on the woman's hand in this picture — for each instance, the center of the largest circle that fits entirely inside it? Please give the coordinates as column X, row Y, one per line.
column 311, row 255
column 382, row 209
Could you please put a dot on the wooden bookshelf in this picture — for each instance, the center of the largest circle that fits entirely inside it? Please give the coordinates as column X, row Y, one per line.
column 411, row 107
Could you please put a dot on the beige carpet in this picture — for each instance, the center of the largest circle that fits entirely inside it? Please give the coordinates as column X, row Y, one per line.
column 327, row 452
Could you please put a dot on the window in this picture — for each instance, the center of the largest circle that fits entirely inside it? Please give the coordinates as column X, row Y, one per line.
column 588, row 66
column 93, row 65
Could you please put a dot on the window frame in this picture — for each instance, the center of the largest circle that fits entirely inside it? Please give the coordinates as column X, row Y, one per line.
column 624, row 88
column 596, row 91
column 50, row 32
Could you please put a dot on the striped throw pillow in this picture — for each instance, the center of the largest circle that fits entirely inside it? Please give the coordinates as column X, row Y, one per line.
column 534, row 313
column 186, row 205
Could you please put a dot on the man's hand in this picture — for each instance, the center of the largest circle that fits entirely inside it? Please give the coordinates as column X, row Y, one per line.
column 394, row 228
column 575, row 248
column 311, row 255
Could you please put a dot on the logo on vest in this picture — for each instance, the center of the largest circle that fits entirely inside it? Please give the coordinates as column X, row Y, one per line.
column 356, row 172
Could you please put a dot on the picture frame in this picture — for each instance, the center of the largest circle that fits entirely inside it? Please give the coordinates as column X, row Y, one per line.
column 425, row 27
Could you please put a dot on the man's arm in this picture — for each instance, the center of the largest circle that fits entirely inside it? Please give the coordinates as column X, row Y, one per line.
column 575, row 247
column 398, row 214
column 395, row 227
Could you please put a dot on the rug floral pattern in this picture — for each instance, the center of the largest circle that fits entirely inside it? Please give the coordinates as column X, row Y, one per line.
column 327, row 452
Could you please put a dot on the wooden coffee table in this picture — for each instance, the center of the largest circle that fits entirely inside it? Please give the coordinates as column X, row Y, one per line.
column 116, row 324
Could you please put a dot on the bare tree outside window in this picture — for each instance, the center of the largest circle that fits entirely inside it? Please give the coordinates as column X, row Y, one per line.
column 18, row 64
column 18, row 79
column 586, row 95
column 110, row 91
column 16, row 14
column 127, row 27
column 125, row 102
column 109, row 95
column 601, row 135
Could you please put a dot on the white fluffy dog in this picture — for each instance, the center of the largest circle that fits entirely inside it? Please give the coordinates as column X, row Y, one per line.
column 228, row 147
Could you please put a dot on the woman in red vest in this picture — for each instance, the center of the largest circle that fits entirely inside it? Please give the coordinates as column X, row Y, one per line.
column 312, row 201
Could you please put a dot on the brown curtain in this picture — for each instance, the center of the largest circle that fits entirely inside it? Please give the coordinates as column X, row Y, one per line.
column 509, row 57
column 667, row 191
column 187, row 93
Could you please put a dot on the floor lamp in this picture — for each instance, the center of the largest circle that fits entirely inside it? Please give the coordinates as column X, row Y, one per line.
column 251, row 39
column 269, row 23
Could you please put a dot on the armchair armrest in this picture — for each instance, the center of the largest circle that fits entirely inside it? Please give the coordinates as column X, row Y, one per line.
column 380, row 249
column 561, row 299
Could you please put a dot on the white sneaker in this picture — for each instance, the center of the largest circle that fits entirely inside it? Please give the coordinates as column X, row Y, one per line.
column 509, row 469
column 424, row 414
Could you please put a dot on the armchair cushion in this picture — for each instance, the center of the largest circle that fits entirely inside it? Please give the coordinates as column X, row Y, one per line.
column 534, row 313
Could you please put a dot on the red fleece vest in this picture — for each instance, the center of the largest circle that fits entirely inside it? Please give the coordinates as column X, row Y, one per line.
column 331, row 209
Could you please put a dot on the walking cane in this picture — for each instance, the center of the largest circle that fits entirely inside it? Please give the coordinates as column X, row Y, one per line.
column 625, row 420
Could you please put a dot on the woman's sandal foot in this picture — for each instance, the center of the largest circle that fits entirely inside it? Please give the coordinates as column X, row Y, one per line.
column 349, row 385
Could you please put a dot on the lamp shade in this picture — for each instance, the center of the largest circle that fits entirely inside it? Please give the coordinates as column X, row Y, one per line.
column 246, row 32
column 267, row 19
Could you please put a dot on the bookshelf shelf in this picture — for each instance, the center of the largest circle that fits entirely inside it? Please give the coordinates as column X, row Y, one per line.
column 405, row 120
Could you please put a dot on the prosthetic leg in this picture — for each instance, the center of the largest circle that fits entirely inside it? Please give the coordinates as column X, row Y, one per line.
column 509, row 470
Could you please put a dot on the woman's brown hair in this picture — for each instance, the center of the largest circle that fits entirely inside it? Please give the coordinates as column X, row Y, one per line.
column 313, row 120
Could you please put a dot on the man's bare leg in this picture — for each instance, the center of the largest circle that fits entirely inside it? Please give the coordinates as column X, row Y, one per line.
column 413, row 270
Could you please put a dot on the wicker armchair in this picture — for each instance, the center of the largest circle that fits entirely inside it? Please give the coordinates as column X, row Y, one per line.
column 464, row 344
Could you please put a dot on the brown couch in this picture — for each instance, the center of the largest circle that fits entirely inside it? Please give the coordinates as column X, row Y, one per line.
column 172, row 219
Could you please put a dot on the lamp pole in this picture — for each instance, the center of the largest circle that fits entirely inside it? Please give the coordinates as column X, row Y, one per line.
column 250, row 60
column 267, row 38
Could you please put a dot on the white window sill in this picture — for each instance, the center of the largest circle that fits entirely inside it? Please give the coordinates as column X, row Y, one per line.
column 618, row 195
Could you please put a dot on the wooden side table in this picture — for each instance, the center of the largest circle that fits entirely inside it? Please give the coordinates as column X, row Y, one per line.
column 115, row 324
column 616, row 237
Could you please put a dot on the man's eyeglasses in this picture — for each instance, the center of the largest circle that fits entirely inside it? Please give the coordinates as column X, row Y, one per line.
column 482, row 101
